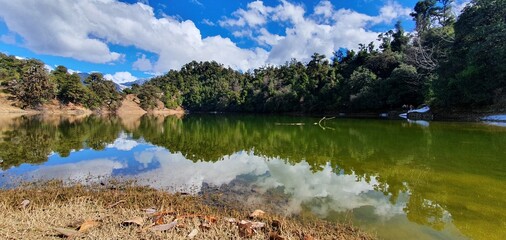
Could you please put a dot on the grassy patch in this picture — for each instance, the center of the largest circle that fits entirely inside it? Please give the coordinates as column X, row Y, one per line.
column 100, row 211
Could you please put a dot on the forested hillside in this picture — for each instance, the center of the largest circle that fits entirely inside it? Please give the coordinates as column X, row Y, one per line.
column 448, row 61
column 31, row 84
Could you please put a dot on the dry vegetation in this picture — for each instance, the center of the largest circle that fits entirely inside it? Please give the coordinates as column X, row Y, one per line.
column 123, row 211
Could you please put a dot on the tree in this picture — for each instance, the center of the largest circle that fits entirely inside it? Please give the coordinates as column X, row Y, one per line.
column 70, row 89
column 400, row 40
column 475, row 74
column 149, row 95
column 104, row 93
column 405, row 86
column 35, row 87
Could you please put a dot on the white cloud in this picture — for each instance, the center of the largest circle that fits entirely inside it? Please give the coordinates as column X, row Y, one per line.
column 48, row 68
column 324, row 31
column 256, row 14
column 71, row 71
column 289, row 12
column 324, row 8
column 267, row 38
column 142, row 64
column 83, row 30
column 208, row 22
column 121, row 77
column 391, row 11
column 197, row 2
column 459, row 5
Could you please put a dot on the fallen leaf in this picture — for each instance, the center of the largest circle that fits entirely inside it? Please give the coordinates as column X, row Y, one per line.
column 253, row 224
column 159, row 220
column 230, row 220
column 149, row 210
column 24, row 203
column 210, row 219
column 308, row 237
column 75, row 224
column 275, row 236
column 257, row 214
column 134, row 221
column 87, row 225
column 205, row 226
column 164, row 227
column 245, row 230
column 163, row 213
column 66, row 232
column 116, row 203
column 193, row 233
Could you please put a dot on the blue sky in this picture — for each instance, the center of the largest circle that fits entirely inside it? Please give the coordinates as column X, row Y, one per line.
column 130, row 39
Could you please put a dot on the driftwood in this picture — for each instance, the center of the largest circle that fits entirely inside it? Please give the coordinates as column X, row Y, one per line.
column 289, row 124
column 324, row 119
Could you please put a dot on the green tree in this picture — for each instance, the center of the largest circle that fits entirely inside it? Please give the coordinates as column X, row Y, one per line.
column 70, row 89
column 149, row 95
column 405, row 86
column 400, row 40
column 104, row 93
column 35, row 87
column 475, row 74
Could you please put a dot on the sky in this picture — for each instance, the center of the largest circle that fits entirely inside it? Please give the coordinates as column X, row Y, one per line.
column 128, row 40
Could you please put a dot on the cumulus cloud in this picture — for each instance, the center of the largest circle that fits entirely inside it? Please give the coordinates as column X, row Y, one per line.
column 324, row 31
column 142, row 64
column 255, row 14
column 121, row 77
column 83, row 30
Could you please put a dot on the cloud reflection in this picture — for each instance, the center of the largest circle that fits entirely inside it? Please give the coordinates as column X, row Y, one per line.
column 80, row 171
column 300, row 184
column 123, row 143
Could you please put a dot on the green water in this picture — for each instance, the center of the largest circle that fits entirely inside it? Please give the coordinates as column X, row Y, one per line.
column 397, row 179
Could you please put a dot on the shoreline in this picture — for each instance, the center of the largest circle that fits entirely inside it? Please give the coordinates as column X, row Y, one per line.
column 53, row 210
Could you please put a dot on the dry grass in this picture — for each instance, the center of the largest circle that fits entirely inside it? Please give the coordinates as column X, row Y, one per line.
column 53, row 205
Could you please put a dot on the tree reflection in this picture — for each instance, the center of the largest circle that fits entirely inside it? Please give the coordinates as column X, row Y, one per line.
column 32, row 139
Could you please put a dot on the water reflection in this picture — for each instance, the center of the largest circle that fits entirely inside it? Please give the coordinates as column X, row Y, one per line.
column 401, row 180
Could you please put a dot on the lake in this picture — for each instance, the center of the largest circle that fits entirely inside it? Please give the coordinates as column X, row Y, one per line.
column 397, row 179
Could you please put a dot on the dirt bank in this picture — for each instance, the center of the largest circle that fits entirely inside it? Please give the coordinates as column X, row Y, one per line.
column 130, row 106
column 109, row 211
column 129, row 109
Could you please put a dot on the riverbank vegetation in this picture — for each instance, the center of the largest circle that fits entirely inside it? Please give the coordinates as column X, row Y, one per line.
column 451, row 62
column 124, row 211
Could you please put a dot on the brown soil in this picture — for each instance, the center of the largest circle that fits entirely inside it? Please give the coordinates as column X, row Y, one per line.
column 161, row 110
column 99, row 212
column 56, row 108
column 8, row 106
column 130, row 106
